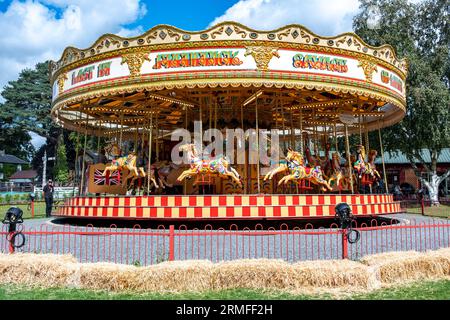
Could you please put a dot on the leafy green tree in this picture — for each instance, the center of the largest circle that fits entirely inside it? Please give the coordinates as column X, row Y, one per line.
column 61, row 170
column 28, row 100
column 27, row 109
column 419, row 32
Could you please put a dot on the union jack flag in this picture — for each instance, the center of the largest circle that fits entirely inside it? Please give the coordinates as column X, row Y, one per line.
column 110, row 179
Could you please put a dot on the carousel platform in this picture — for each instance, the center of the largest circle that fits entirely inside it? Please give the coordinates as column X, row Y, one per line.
column 212, row 207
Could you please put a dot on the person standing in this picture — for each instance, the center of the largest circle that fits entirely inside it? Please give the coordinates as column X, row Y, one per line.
column 48, row 196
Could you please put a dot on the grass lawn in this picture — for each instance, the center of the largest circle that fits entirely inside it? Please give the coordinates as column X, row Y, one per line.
column 39, row 209
column 443, row 211
column 430, row 290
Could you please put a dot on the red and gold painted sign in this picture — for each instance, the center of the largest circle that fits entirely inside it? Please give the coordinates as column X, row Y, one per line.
column 319, row 62
column 197, row 59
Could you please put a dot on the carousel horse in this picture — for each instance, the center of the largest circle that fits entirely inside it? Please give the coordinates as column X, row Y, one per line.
column 297, row 171
column 126, row 163
column 336, row 174
column 324, row 162
column 360, row 165
column 363, row 167
column 112, row 150
column 371, row 163
column 163, row 169
column 312, row 160
column 220, row 166
column 150, row 176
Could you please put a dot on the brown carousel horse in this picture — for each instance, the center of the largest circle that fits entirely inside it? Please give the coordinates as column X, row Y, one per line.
column 164, row 169
column 363, row 167
column 298, row 171
column 336, row 170
column 143, row 175
column 219, row 166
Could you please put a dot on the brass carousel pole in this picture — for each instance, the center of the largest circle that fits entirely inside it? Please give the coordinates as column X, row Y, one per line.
column 360, row 130
column 382, row 158
column 185, row 127
column 201, row 146
column 157, row 139
column 215, row 113
column 150, row 136
column 301, row 131
column 98, row 141
column 201, row 131
column 292, row 140
column 347, row 147
column 367, row 139
column 335, row 137
column 84, row 157
column 280, row 105
column 75, row 178
column 136, row 134
column 366, row 133
column 245, row 156
column 292, row 131
column 257, row 145
column 121, row 131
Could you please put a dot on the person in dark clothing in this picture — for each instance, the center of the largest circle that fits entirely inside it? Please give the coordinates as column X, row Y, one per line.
column 48, row 196
column 101, row 158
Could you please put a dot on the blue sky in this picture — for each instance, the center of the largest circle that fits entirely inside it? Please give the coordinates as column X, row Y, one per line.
column 33, row 31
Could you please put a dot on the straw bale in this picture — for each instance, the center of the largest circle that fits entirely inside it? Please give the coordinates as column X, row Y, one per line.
column 48, row 270
column 252, row 274
column 401, row 267
column 339, row 277
column 331, row 274
column 177, row 276
column 382, row 258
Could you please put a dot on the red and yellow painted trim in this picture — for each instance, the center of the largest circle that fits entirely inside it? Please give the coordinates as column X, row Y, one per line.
column 224, row 206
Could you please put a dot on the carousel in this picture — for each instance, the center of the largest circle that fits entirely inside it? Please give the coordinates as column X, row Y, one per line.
column 312, row 93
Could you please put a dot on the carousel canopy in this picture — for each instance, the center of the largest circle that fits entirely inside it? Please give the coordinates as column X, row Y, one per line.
column 294, row 77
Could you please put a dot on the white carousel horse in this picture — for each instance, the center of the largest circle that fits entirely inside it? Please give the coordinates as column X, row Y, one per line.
column 219, row 166
column 298, row 171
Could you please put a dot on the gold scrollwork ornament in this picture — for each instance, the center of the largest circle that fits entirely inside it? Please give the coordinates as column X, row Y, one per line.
column 134, row 62
column 262, row 56
column 61, row 79
column 368, row 68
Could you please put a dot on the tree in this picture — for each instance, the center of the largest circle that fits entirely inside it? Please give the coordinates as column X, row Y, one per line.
column 61, row 170
column 28, row 100
column 16, row 141
column 27, row 108
column 419, row 32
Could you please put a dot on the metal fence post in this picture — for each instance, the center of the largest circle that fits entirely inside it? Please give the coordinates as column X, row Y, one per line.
column 11, row 247
column 171, row 242
column 344, row 244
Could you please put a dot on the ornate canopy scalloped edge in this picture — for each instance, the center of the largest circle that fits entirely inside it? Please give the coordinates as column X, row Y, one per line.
column 73, row 98
column 226, row 31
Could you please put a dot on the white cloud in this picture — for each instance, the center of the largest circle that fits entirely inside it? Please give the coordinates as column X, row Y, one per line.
column 324, row 17
column 37, row 30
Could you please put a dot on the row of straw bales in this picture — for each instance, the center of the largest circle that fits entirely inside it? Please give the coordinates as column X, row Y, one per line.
column 372, row 272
